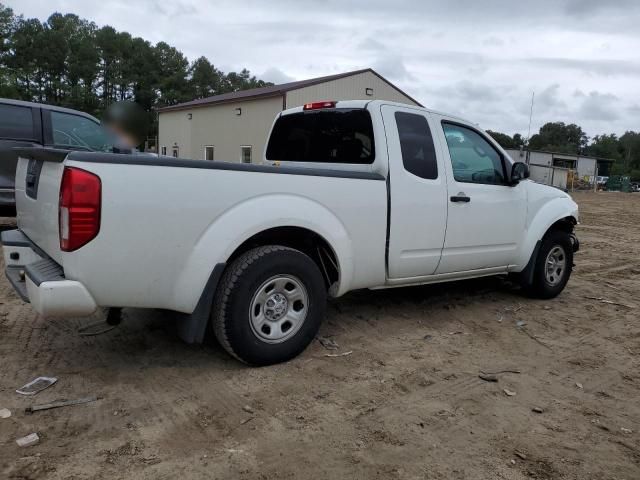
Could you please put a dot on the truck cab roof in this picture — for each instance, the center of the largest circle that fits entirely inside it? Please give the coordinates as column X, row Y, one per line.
column 372, row 104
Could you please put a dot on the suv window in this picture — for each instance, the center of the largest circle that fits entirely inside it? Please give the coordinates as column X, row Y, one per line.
column 76, row 131
column 325, row 136
column 473, row 158
column 416, row 144
column 16, row 122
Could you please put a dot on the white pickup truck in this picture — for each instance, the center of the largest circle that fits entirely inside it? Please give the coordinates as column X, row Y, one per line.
column 352, row 194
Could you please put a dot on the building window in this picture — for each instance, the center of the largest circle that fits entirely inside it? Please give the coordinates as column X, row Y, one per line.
column 369, row 92
column 245, row 154
column 175, row 151
column 163, row 150
column 208, row 152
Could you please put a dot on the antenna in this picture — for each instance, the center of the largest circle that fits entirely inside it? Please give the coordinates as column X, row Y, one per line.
column 533, row 94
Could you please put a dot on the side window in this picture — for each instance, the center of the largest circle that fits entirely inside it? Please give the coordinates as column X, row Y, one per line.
column 208, row 152
column 163, row 150
column 16, row 122
column 416, row 144
column 80, row 132
column 473, row 158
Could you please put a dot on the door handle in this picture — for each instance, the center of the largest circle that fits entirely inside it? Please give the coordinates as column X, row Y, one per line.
column 461, row 197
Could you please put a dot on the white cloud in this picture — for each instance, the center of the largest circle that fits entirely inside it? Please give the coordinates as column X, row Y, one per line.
column 275, row 75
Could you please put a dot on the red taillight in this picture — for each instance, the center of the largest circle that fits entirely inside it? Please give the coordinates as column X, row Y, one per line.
column 318, row 105
column 79, row 211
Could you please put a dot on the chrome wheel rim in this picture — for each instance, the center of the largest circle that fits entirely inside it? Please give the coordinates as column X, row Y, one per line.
column 278, row 309
column 555, row 265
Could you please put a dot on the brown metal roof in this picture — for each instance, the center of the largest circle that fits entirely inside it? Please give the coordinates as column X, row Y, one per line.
column 271, row 91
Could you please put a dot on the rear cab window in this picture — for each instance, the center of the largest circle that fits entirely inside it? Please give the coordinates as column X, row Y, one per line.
column 341, row 135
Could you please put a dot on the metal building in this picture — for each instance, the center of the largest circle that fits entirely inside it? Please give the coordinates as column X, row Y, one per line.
column 562, row 169
column 234, row 126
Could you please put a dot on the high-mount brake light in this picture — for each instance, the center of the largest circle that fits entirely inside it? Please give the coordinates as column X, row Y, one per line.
column 319, row 105
column 79, row 209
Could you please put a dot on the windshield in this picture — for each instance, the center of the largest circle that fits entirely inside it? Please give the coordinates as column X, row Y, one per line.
column 78, row 132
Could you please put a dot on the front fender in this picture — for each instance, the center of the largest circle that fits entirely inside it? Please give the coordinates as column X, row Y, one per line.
column 250, row 217
column 542, row 219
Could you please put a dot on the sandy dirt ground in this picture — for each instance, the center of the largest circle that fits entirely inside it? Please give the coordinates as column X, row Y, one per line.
column 407, row 403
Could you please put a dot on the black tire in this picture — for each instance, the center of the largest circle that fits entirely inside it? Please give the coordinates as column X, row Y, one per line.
column 231, row 318
column 541, row 287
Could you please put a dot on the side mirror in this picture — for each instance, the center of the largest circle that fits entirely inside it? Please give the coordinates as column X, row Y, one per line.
column 519, row 171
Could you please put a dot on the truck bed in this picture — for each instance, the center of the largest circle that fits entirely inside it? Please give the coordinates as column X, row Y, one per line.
column 166, row 222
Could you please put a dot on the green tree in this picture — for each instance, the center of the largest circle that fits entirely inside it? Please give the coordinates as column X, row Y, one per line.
column 559, row 137
column 205, row 80
column 173, row 85
column 7, row 25
column 503, row 139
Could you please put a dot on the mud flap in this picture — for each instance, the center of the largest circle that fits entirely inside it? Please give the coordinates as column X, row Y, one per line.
column 191, row 328
column 526, row 275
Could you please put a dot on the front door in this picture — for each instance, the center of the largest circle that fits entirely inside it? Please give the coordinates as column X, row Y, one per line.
column 418, row 193
column 487, row 217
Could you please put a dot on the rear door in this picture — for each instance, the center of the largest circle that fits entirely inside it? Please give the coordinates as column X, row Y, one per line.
column 487, row 216
column 418, row 193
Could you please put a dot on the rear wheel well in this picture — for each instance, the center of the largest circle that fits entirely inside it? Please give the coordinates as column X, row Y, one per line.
column 302, row 239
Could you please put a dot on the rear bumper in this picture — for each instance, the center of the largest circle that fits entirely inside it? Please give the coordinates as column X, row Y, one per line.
column 40, row 281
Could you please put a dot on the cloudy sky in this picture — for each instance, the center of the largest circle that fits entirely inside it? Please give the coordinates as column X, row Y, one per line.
column 478, row 59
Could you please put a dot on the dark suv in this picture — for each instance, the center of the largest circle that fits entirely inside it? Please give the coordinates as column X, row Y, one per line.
column 27, row 124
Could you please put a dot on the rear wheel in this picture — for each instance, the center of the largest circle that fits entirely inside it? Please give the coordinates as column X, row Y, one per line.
column 553, row 266
column 269, row 305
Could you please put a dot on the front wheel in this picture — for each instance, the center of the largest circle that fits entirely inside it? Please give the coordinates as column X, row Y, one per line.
column 269, row 305
column 553, row 266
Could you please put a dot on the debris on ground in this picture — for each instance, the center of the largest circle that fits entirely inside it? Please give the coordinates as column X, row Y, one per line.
column 508, row 393
column 521, row 323
column 29, row 440
column 60, row 403
column 579, row 385
column 537, row 410
column 520, row 455
column 499, row 372
column 609, row 302
column 247, row 409
column 95, row 328
column 488, row 378
column 344, row 354
column 626, row 430
column 427, row 337
column 37, row 385
column 328, row 343
column 5, row 413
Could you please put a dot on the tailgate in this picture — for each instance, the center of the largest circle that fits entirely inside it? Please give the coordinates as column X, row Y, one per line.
column 38, row 179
